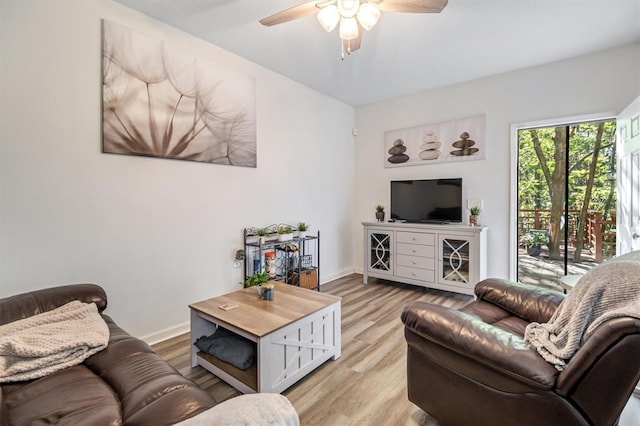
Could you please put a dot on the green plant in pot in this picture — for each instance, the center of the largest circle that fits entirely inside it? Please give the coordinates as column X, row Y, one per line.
column 474, row 212
column 285, row 232
column 534, row 240
column 258, row 279
column 261, row 233
column 380, row 213
column 302, row 229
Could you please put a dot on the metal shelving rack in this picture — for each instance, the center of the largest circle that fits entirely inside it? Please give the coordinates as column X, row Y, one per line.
column 297, row 259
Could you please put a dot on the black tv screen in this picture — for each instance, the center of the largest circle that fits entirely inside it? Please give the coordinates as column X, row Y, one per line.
column 427, row 200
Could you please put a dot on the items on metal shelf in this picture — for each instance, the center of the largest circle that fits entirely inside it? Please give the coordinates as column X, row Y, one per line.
column 295, row 261
column 306, row 261
column 270, row 263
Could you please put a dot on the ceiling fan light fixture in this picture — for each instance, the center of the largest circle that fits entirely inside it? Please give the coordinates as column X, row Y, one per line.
column 351, row 15
column 329, row 17
column 348, row 28
column 368, row 15
column 348, row 8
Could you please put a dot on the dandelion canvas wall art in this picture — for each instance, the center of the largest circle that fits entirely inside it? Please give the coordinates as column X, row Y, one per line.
column 161, row 101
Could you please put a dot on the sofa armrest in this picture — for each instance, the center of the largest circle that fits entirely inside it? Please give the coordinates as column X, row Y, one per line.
column 151, row 391
column 35, row 302
column 532, row 303
column 502, row 353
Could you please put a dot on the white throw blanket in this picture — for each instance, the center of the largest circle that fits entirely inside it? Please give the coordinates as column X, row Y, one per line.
column 264, row 409
column 39, row 345
column 610, row 290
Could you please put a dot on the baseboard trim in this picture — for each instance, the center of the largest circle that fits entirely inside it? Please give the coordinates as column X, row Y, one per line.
column 166, row 334
column 336, row 276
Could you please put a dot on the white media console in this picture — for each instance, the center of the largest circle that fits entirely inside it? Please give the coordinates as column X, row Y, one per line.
column 443, row 256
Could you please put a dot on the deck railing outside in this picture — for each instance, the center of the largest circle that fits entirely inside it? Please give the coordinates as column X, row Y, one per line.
column 599, row 234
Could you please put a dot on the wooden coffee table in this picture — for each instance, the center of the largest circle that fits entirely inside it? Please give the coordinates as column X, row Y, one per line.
column 295, row 333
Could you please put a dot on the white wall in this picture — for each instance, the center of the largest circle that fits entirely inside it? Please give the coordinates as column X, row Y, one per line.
column 599, row 83
column 157, row 234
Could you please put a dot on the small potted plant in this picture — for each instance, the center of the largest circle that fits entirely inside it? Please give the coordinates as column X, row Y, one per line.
column 261, row 233
column 474, row 213
column 380, row 213
column 534, row 240
column 285, row 233
column 302, row 229
column 257, row 279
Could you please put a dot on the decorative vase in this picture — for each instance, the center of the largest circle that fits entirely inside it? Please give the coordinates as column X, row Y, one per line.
column 473, row 219
column 261, row 239
column 267, row 291
column 380, row 216
column 270, row 263
column 302, row 234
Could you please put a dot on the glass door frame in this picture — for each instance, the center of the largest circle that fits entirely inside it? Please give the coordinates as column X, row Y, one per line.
column 513, row 180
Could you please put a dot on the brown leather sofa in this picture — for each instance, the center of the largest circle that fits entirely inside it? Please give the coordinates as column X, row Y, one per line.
column 472, row 367
column 126, row 383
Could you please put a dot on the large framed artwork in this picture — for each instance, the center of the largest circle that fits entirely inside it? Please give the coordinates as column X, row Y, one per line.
column 445, row 142
column 161, row 101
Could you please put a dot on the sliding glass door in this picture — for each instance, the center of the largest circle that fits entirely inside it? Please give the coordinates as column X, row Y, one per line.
column 566, row 200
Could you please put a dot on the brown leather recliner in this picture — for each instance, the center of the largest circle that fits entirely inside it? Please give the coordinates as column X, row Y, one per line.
column 472, row 366
column 126, row 383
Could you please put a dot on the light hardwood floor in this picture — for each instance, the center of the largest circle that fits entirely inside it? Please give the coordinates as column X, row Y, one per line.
column 367, row 385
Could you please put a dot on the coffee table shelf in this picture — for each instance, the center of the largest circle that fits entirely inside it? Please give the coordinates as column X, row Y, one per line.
column 248, row 377
column 295, row 333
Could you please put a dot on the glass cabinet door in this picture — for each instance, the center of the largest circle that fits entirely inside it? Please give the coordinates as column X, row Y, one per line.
column 379, row 252
column 454, row 258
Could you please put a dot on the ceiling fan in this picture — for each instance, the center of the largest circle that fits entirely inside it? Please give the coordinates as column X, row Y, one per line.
column 352, row 15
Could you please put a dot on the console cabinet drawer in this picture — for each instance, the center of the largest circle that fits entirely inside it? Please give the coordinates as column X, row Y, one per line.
column 415, row 250
column 416, row 238
column 416, row 273
column 416, row 262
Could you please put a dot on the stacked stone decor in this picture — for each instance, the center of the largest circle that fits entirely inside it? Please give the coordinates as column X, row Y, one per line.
column 430, row 148
column 397, row 152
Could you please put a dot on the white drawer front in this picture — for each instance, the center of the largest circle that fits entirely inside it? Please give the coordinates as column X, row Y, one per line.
column 415, row 261
column 415, row 238
column 416, row 274
column 415, row 250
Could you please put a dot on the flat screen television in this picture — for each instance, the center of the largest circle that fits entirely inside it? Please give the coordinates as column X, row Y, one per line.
column 427, row 200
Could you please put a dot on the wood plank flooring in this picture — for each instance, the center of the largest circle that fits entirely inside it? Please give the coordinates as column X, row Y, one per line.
column 367, row 384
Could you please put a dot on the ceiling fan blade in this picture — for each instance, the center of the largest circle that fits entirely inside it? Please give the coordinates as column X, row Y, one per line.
column 412, row 6
column 295, row 12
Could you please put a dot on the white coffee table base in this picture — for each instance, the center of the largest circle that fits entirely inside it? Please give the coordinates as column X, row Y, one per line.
column 283, row 356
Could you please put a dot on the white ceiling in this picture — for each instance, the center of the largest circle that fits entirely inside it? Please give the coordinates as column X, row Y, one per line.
column 406, row 53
